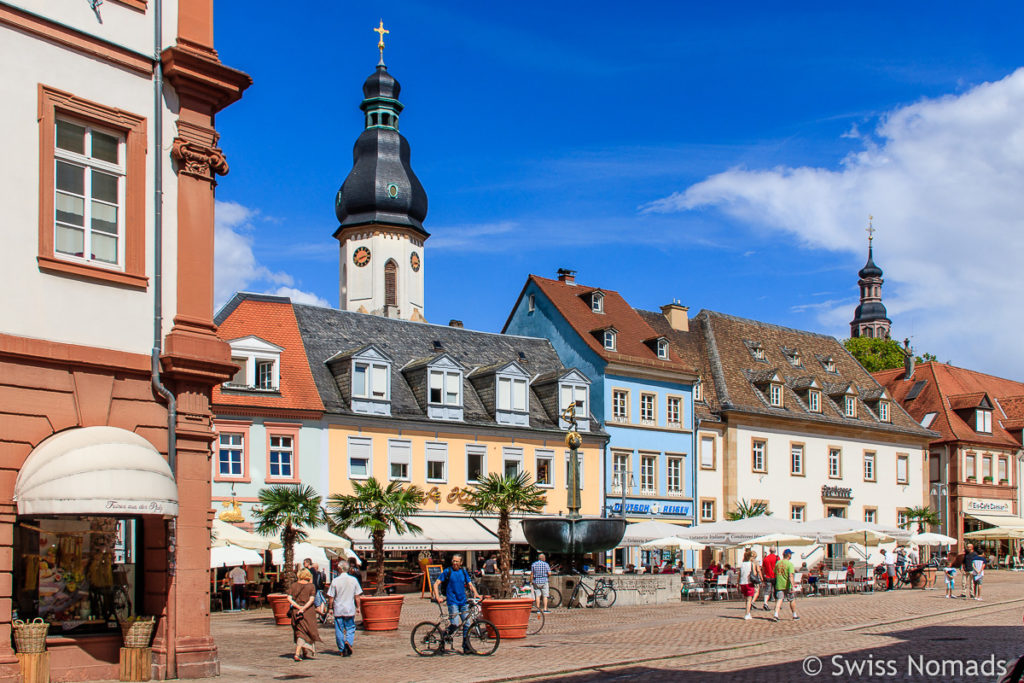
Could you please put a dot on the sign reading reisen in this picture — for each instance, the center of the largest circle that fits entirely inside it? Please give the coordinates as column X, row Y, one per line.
column 655, row 508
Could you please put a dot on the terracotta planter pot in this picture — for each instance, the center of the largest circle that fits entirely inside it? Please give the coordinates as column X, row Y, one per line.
column 511, row 617
column 381, row 613
column 279, row 604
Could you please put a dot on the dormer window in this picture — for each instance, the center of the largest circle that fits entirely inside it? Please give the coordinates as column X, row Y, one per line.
column 259, row 365
column 371, row 380
column 663, row 349
column 698, row 390
column 597, row 302
column 512, row 394
column 444, row 387
column 883, row 411
column 829, row 364
column 365, row 376
column 850, row 406
column 758, row 352
column 775, row 394
column 814, row 401
column 573, row 388
column 983, row 421
column 609, row 339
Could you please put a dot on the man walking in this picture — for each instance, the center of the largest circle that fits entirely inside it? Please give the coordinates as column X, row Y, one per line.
column 768, row 571
column 451, row 587
column 237, row 578
column 784, row 585
column 541, row 571
column 889, row 559
column 341, row 597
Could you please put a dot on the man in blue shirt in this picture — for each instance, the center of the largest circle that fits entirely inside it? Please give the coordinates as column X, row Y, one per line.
column 456, row 580
column 541, row 570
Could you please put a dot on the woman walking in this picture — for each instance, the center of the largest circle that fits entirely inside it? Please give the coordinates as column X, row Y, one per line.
column 750, row 578
column 304, row 627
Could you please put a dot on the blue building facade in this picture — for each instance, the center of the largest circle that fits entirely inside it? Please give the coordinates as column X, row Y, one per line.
column 641, row 393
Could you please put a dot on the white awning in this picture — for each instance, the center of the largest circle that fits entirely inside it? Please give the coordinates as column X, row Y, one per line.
column 233, row 556
column 440, row 532
column 96, row 471
column 225, row 534
column 1006, row 521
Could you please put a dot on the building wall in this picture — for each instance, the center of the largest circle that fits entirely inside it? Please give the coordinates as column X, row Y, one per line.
column 710, row 480
column 363, row 286
column 54, row 306
column 340, row 482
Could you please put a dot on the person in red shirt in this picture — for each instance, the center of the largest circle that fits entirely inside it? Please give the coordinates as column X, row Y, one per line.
column 768, row 571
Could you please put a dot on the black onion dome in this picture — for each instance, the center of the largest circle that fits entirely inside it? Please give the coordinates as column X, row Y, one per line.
column 381, row 188
column 870, row 269
column 871, row 310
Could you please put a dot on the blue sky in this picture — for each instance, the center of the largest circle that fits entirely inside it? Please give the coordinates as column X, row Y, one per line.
column 724, row 155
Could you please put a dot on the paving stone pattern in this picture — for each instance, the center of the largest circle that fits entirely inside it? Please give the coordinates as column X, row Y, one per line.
column 857, row 638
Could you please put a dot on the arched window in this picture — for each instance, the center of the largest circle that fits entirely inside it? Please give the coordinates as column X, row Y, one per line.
column 391, row 283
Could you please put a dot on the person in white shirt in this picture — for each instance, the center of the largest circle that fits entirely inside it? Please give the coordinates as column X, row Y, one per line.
column 341, row 597
column 238, row 579
column 890, row 569
column 750, row 578
column 913, row 558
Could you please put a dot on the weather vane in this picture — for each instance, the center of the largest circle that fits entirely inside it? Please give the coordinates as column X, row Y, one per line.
column 870, row 229
column 380, row 30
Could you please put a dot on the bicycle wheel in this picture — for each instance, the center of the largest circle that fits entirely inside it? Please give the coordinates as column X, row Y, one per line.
column 427, row 639
column 536, row 622
column 554, row 597
column 604, row 597
column 484, row 637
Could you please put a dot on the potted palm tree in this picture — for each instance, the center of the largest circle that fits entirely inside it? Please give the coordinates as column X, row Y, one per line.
column 284, row 510
column 505, row 494
column 378, row 509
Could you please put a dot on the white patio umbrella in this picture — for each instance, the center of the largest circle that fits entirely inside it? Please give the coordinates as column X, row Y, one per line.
column 932, row 538
column 779, row 539
column 642, row 532
column 322, row 538
column 228, row 534
column 303, row 551
column 863, row 536
column 672, row 543
column 996, row 533
column 233, row 556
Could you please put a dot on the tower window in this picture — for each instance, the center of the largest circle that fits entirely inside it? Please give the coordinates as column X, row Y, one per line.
column 391, row 283
column 373, row 119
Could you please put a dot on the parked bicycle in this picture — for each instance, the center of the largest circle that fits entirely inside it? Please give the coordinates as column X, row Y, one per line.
column 431, row 637
column 601, row 594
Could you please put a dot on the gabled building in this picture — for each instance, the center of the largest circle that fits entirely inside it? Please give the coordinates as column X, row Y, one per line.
column 108, row 351
column 363, row 395
column 796, row 423
column 974, row 463
column 641, row 391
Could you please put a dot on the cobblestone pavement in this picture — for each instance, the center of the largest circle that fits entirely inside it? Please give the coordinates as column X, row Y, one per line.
column 906, row 635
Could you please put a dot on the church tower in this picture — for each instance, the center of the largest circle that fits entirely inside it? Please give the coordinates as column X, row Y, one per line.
column 380, row 208
column 870, row 319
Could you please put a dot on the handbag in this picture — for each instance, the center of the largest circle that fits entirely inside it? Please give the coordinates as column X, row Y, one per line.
column 755, row 580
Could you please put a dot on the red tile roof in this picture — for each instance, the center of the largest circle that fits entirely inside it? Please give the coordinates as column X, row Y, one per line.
column 632, row 329
column 272, row 321
column 949, row 389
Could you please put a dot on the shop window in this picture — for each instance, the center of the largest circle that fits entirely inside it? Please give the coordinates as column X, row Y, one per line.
column 80, row 574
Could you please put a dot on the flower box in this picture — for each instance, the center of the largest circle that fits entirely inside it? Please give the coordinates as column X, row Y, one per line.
column 987, row 480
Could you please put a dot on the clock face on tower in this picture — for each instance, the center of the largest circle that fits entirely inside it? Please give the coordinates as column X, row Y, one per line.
column 361, row 256
column 414, row 261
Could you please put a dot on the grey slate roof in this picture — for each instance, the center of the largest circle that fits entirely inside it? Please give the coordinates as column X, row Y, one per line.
column 326, row 331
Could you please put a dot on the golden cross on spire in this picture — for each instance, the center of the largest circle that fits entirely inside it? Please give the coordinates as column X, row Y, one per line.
column 380, row 30
column 870, row 230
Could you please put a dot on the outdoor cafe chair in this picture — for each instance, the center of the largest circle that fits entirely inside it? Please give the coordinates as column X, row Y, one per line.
column 798, row 585
column 691, row 587
column 722, row 587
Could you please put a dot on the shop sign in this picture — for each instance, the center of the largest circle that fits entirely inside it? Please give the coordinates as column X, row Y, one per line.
column 987, row 505
column 655, row 508
column 840, row 494
column 138, row 507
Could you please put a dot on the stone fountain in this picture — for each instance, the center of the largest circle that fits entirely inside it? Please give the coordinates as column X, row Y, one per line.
column 573, row 534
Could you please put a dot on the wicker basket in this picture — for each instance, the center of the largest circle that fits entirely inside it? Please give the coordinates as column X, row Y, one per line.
column 30, row 636
column 137, row 631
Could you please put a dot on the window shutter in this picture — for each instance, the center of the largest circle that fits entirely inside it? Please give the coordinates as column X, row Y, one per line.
column 391, row 284
column 380, row 381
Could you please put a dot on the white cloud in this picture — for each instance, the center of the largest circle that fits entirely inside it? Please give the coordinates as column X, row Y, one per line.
column 236, row 268
column 945, row 180
column 478, row 237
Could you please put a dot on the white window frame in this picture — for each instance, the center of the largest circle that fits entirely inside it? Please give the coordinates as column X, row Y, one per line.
column 620, row 465
column 1003, row 469
column 835, row 463
column 648, row 400
column 609, row 340
column 249, row 353
column 814, row 401
column 870, row 515
column 797, row 513
column 870, row 463
column 580, row 393
column 597, row 302
column 434, row 452
column 231, row 447
column 547, row 455
column 674, row 417
column 759, row 456
column 532, row 303
column 707, row 511
column 901, row 518
column 705, row 464
column 775, row 394
column 281, row 449
column 883, row 411
column 513, row 394
column 758, row 353
column 796, row 459
column 903, row 463
column 476, row 450
column 359, row 441
column 698, row 390
column 662, row 349
column 971, row 466
column 377, row 383
column 850, row 406
column 648, row 475
column 88, row 163
column 448, row 379
column 510, row 454
column 395, row 457
column 620, row 399
column 983, row 421
column 674, row 481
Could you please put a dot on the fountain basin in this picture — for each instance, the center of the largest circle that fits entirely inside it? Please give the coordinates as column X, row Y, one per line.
column 573, row 535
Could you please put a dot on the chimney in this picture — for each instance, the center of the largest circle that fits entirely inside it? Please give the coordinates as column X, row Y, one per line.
column 567, row 276
column 455, row 323
column 676, row 314
column 908, row 360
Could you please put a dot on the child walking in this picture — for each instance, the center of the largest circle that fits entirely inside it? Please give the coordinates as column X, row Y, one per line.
column 950, row 581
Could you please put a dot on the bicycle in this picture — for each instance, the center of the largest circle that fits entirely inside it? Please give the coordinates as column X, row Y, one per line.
column 429, row 638
column 601, row 595
column 526, row 590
